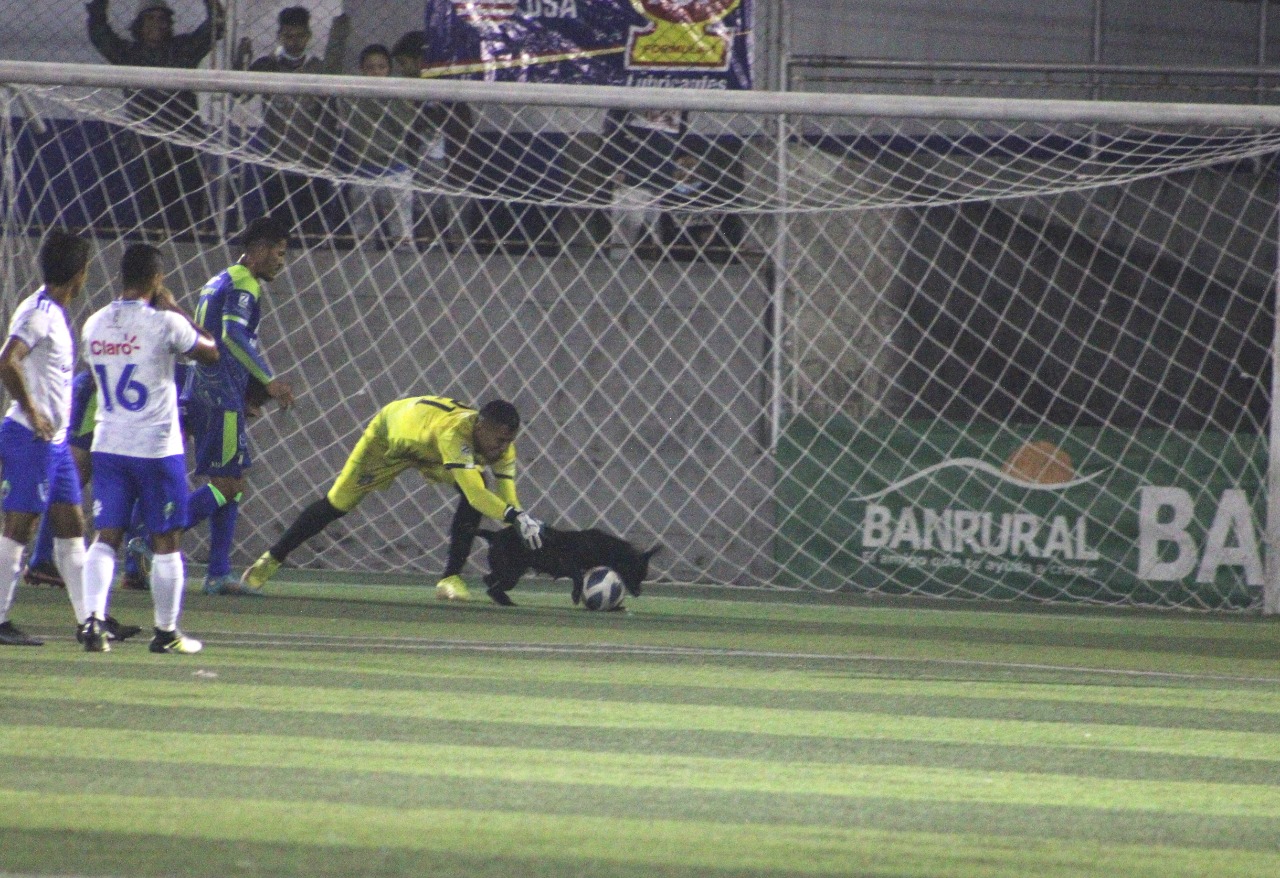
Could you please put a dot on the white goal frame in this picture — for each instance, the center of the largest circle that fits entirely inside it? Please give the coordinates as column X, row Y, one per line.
column 781, row 106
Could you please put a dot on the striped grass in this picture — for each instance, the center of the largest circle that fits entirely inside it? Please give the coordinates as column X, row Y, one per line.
column 333, row 729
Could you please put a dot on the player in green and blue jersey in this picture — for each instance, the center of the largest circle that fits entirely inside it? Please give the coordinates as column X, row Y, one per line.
column 230, row 309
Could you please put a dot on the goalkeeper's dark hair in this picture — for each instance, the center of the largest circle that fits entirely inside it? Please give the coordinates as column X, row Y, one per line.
column 264, row 230
column 62, row 256
column 501, row 413
column 140, row 263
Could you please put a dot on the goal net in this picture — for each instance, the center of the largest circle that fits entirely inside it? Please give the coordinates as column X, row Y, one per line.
column 936, row 347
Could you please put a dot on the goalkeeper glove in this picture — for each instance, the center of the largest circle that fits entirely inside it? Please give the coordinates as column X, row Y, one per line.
column 530, row 527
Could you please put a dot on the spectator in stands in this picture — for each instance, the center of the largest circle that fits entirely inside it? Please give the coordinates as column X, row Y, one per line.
column 690, row 226
column 378, row 138
column 300, row 129
column 429, row 139
column 166, row 177
column 642, row 145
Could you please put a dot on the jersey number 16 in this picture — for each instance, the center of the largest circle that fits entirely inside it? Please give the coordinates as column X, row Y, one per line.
column 129, row 394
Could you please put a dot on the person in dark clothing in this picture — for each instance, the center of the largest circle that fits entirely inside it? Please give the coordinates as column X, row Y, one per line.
column 166, row 177
column 300, row 129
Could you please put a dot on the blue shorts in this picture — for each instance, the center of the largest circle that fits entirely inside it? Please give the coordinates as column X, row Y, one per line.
column 36, row 473
column 158, row 484
column 221, row 443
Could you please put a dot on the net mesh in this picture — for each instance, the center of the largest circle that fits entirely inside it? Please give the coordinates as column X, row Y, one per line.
column 907, row 355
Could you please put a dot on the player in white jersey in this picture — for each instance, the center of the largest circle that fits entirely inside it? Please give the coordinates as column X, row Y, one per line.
column 131, row 346
column 39, row 472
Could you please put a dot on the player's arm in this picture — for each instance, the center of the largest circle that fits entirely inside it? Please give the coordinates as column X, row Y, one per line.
column 504, row 485
column 15, row 351
column 243, row 347
column 205, row 348
column 504, row 478
column 109, row 44
column 484, row 501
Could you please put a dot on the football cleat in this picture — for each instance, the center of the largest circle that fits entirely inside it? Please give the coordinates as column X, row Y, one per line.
column 228, row 584
column 93, row 635
column 257, row 574
column 452, row 588
column 175, row 642
column 11, row 635
column 117, row 630
column 43, row 574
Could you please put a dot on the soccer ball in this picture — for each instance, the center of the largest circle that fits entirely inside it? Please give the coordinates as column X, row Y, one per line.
column 601, row 589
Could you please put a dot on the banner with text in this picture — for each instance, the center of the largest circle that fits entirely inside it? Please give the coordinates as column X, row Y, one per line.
column 663, row 43
column 1088, row 514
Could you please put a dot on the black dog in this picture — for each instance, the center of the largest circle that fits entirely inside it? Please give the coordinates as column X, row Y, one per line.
column 564, row 554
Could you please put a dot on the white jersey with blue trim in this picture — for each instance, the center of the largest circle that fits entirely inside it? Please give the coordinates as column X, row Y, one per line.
column 132, row 349
column 41, row 324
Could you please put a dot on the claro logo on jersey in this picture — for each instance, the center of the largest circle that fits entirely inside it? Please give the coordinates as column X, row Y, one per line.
column 125, row 348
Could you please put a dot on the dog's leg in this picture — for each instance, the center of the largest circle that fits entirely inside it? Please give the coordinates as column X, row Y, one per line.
column 498, row 586
column 499, row 597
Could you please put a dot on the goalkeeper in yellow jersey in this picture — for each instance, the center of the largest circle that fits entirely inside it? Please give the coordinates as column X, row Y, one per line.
column 448, row 442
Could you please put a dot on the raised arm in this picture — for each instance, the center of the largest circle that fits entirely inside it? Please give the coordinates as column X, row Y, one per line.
column 109, row 44
column 189, row 49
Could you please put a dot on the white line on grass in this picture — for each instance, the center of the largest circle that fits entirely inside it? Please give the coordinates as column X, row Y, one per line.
column 227, row 638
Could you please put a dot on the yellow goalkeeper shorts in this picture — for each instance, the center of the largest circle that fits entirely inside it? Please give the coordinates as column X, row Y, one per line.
column 368, row 469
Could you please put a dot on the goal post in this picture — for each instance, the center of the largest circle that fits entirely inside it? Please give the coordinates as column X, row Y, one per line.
column 945, row 347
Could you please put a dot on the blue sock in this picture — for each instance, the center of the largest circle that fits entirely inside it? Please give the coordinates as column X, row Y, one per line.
column 42, row 552
column 203, row 503
column 222, row 532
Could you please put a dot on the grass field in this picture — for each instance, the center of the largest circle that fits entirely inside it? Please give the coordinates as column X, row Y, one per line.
column 335, row 729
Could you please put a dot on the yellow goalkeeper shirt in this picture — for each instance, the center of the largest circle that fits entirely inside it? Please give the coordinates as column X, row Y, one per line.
column 434, row 435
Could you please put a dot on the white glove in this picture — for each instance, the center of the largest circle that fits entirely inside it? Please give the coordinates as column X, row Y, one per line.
column 530, row 530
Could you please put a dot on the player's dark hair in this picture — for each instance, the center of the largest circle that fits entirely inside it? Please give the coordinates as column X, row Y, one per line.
column 374, row 49
column 140, row 263
column 62, row 256
column 294, row 16
column 501, row 413
column 264, row 230
column 411, row 44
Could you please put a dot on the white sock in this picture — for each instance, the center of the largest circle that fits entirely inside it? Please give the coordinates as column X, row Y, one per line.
column 68, row 557
column 10, row 570
column 99, row 570
column 168, row 578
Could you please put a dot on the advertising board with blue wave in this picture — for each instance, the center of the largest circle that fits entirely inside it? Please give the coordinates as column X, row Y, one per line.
column 662, row 43
column 1171, row 518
